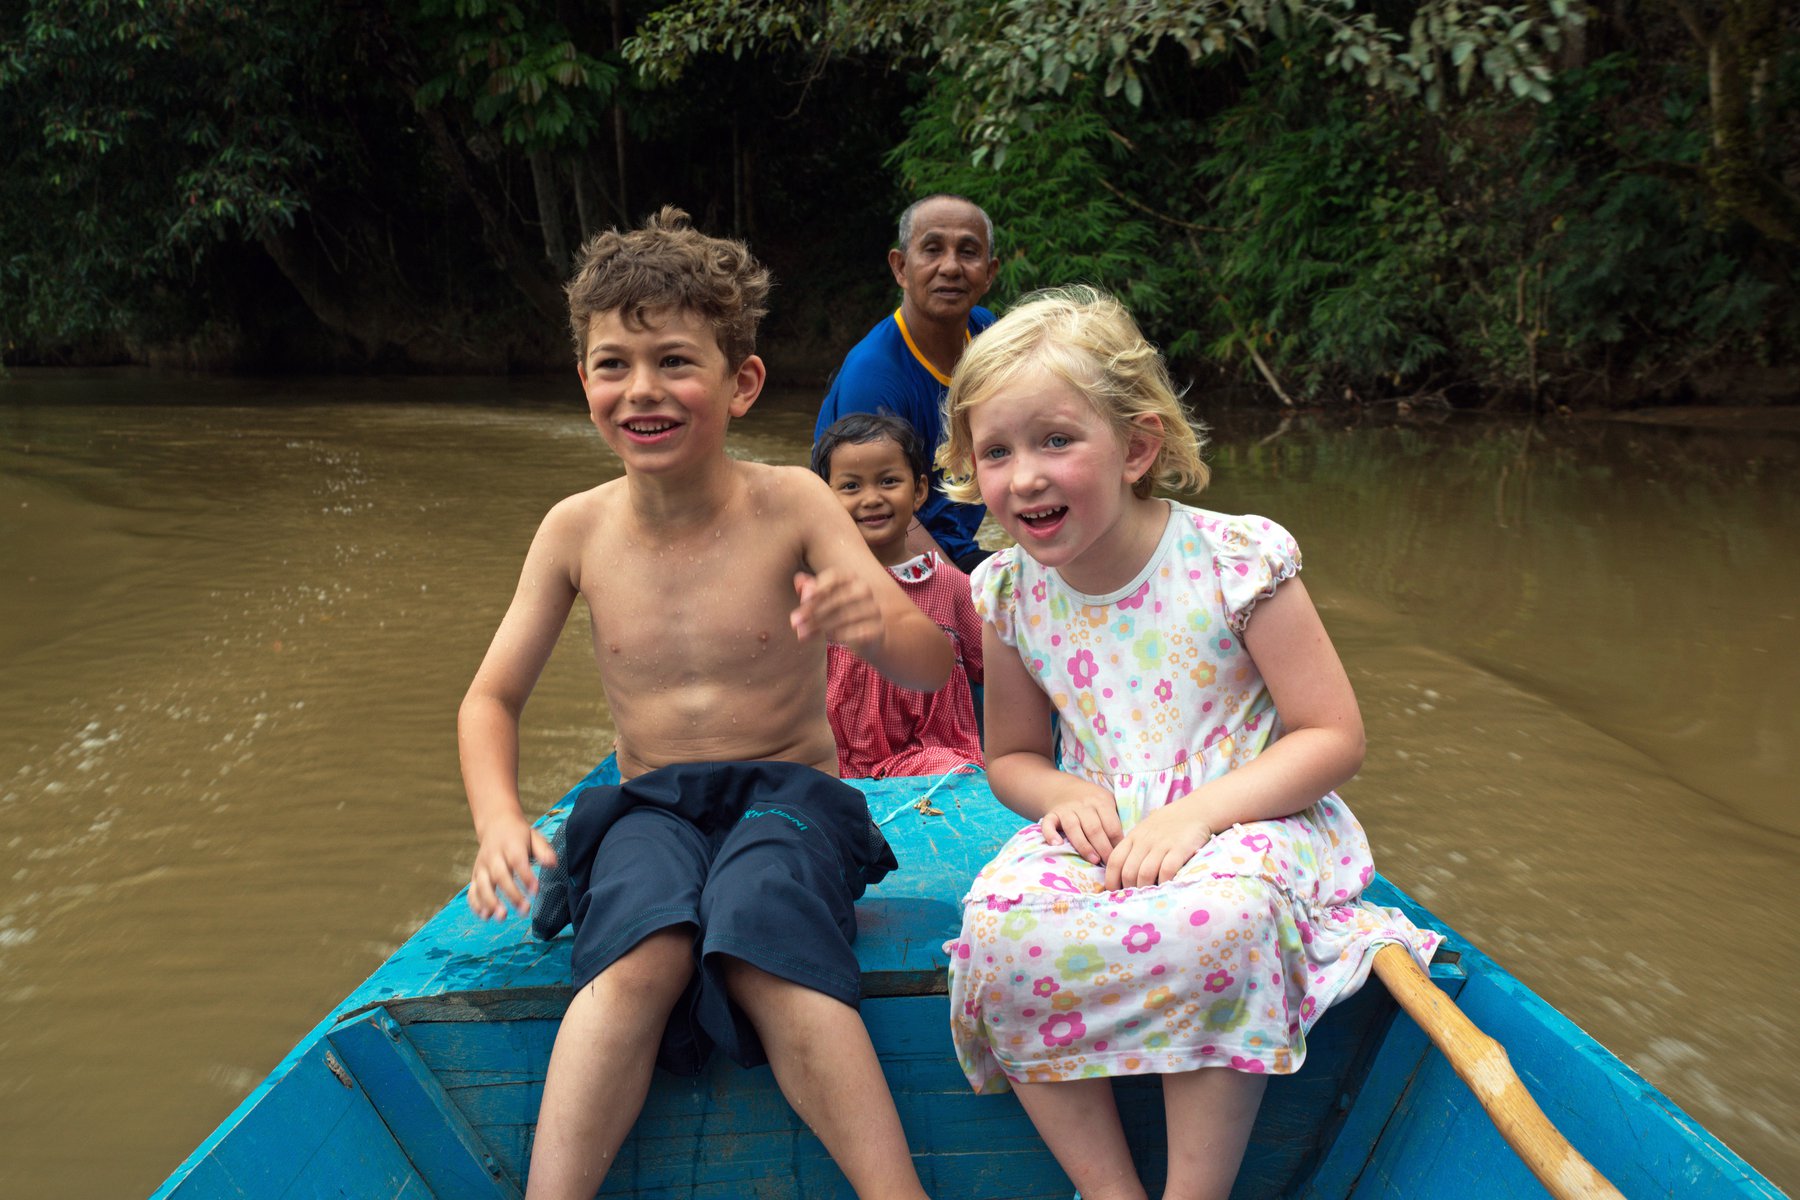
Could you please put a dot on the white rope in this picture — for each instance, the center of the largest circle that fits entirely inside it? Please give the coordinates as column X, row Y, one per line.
column 958, row 769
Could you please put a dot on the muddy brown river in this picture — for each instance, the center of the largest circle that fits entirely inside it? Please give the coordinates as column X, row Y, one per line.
column 237, row 616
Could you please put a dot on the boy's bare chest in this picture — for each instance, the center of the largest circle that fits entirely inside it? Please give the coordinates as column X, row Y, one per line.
column 687, row 607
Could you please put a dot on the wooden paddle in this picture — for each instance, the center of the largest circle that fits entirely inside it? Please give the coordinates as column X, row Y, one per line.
column 1481, row 1062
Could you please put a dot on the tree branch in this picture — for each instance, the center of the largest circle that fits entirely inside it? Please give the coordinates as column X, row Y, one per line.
column 1164, row 217
column 1691, row 18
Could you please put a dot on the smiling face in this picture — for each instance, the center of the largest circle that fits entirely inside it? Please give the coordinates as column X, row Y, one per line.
column 947, row 266
column 877, row 487
column 663, row 395
column 1059, row 480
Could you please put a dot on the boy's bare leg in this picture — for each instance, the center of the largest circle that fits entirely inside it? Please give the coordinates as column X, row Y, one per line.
column 1210, row 1113
column 1079, row 1120
column 600, row 1067
column 820, row 1052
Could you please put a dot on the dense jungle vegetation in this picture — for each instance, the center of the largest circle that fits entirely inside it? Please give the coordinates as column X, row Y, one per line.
column 1318, row 200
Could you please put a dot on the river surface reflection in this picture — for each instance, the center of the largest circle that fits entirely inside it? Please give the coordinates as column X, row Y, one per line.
column 236, row 618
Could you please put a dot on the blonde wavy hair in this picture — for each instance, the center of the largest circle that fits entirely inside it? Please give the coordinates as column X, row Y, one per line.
column 1087, row 339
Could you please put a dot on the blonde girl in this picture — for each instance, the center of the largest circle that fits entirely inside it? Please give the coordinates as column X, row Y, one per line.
column 1164, row 704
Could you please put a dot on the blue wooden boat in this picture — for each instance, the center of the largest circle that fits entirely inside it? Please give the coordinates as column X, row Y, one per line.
column 425, row 1080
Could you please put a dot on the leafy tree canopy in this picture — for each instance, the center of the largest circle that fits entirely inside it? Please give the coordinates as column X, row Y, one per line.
column 1009, row 53
column 518, row 68
column 139, row 135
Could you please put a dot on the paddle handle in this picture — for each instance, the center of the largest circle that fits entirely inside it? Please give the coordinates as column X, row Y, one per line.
column 1482, row 1063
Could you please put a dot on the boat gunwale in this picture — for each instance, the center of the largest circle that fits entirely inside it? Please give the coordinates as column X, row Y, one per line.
column 418, row 983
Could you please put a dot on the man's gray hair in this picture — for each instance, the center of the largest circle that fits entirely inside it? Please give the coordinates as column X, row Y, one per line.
column 906, row 218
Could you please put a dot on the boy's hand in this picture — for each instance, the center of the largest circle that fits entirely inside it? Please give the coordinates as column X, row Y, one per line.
column 838, row 607
column 1157, row 847
column 502, row 876
column 1088, row 820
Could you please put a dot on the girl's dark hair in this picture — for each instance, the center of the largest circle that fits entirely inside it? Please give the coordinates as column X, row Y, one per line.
column 859, row 429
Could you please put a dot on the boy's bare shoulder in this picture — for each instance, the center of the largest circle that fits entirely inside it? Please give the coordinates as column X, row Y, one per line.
column 612, row 491
column 577, row 531
column 578, row 513
column 795, row 485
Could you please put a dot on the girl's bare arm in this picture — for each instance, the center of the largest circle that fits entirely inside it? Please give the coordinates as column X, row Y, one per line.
column 1322, row 745
column 1021, row 769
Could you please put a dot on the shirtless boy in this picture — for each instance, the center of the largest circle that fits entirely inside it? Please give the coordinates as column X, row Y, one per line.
column 712, row 890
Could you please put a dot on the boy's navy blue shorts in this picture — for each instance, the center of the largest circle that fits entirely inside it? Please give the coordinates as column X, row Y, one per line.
column 764, row 859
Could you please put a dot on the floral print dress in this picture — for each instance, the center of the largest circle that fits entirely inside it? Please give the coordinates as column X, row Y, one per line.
column 1229, row 963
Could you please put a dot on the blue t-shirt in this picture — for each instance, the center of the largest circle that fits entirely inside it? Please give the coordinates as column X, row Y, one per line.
column 884, row 372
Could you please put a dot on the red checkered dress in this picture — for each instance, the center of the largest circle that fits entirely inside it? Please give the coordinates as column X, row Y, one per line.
column 883, row 729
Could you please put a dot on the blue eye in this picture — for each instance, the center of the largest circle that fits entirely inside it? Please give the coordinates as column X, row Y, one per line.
column 1057, row 441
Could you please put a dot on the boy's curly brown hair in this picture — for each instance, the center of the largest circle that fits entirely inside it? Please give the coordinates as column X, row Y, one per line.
column 666, row 265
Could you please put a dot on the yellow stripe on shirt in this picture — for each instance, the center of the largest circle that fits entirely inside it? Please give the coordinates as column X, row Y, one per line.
column 914, row 347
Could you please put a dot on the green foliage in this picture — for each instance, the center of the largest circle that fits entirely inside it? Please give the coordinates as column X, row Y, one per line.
column 1056, row 221
column 1013, row 54
column 1335, row 262
column 1330, row 194
column 138, row 135
column 519, row 68
column 1593, row 254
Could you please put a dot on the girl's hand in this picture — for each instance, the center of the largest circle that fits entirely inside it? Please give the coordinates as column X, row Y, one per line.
column 1157, row 847
column 1087, row 819
column 840, row 608
column 502, row 875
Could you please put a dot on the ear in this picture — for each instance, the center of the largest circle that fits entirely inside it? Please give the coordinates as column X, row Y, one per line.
column 581, row 374
column 748, row 384
column 1142, row 445
column 988, row 283
column 897, row 264
column 921, row 491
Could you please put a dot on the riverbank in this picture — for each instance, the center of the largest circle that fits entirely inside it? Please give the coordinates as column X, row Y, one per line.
column 1759, row 418
column 1745, row 398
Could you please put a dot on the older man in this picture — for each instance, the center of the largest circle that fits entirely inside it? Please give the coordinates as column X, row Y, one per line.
column 944, row 263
